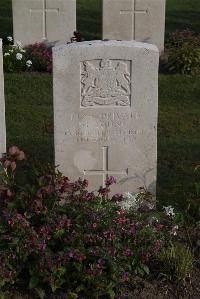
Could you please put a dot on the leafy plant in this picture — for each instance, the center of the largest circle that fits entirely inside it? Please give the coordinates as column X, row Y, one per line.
column 15, row 58
column 56, row 236
column 177, row 262
column 179, row 39
column 41, row 56
column 184, row 61
column 36, row 57
column 183, row 52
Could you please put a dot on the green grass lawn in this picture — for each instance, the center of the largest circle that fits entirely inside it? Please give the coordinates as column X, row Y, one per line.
column 29, row 110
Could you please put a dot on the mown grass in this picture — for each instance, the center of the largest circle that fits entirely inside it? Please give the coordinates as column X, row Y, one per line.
column 29, row 110
column 178, row 136
column 29, row 114
column 183, row 14
column 30, row 125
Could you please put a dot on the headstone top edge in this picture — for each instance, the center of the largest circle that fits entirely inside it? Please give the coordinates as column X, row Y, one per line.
column 87, row 44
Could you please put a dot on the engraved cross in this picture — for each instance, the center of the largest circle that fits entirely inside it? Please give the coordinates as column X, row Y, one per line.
column 105, row 172
column 44, row 12
column 133, row 13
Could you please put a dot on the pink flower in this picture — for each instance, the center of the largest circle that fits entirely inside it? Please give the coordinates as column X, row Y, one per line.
column 17, row 153
column 80, row 257
column 158, row 226
column 125, row 276
column 118, row 197
column 103, row 191
column 157, row 245
column 145, row 257
column 14, row 150
column 41, row 246
column 109, row 235
column 127, row 252
column 110, row 181
column 11, row 222
column 19, row 216
column 121, row 220
column 85, row 183
column 71, row 254
column 94, row 225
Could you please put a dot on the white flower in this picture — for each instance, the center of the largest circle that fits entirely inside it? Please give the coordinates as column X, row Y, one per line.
column 130, row 202
column 29, row 63
column 18, row 44
column 174, row 230
column 153, row 219
column 169, row 211
column 9, row 38
column 23, row 51
column 7, row 54
column 11, row 50
column 128, row 195
column 19, row 56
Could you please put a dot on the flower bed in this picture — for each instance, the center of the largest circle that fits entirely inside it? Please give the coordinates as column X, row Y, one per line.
column 36, row 57
column 56, row 237
column 182, row 54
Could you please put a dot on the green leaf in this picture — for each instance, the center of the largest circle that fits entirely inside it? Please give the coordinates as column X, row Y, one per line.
column 111, row 293
column 61, row 271
column 41, row 293
column 146, row 269
column 33, row 282
column 78, row 266
column 59, row 233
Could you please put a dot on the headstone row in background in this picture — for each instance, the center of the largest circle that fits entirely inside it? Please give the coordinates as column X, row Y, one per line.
column 2, row 106
column 140, row 20
column 43, row 20
column 55, row 20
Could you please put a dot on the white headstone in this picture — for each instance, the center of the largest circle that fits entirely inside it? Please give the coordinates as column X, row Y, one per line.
column 105, row 112
column 140, row 20
column 2, row 107
column 43, row 20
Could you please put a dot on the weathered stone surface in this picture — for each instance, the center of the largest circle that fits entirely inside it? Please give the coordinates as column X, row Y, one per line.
column 43, row 20
column 140, row 20
column 105, row 112
column 2, row 107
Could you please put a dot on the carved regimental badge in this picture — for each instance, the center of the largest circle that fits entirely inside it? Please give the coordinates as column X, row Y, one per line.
column 105, row 82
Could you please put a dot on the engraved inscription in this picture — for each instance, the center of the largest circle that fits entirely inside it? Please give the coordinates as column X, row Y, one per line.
column 106, row 127
column 90, row 128
column 105, row 82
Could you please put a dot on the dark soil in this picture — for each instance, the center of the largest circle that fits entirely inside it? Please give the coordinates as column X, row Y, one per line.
column 158, row 289
column 161, row 289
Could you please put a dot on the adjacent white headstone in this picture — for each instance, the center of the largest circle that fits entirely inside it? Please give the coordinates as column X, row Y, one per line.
column 140, row 20
column 105, row 112
column 2, row 107
column 43, row 20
